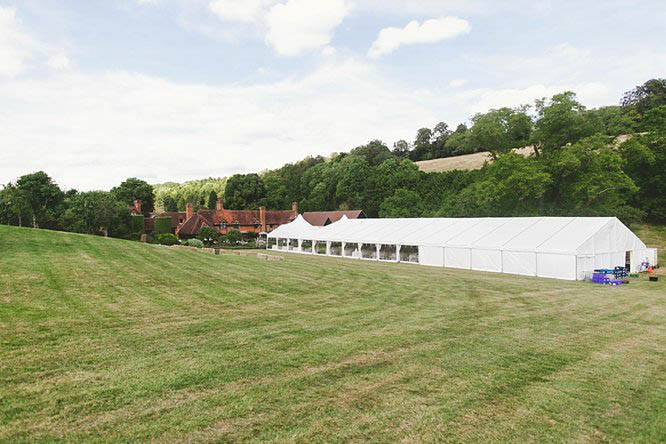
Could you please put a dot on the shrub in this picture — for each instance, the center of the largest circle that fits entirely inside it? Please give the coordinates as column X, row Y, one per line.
column 167, row 239
column 209, row 235
column 195, row 243
column 233, row 237
column 162, row 225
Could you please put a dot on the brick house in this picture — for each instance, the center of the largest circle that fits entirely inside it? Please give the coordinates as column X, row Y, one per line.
column 223, row 220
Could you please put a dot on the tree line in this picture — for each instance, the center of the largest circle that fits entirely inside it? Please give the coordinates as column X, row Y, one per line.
column 35, row 200
column 579, row 167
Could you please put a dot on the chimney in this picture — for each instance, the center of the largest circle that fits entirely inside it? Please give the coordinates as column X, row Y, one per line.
column 218, row 205
column 137, row 205
column 294, row 208
column 189, row 211
column 262, row 218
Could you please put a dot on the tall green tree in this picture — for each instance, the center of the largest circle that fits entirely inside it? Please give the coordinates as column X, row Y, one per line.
column 590, row 180
column 318, row 187
column 511, row 186
column 169, row 203
column 459, row 142
column 96, row 212
column 132, row 189
column 645, row 157
column 15, row 207
column 559, row 122
column 613, row 120
column 422, row 145
column 401, row 148
column 500, row 130
column 385, row 179
column 212, row 200
column 44, row 197
column 244, row 192
column 374, row 152
column 643, row 98
column 403, row 203
column 352, row 190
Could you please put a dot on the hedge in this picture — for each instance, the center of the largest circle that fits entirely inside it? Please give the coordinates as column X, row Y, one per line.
column 137, row 223
column 162, row 225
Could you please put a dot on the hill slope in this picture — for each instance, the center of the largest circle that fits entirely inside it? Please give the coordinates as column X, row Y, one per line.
column 476, row 160
column 114, row 340
column 465, row 162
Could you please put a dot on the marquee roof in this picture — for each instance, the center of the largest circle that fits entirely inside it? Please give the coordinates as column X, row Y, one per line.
column 558, row 235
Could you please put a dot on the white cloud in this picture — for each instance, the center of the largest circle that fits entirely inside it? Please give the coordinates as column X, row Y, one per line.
column 94, row 130
column 329, row 51
column 441, row 7
column 430, row 31
column 457, row 83
column 239, row 10
column 59, row 61
column 301, row 25
column 14, row 44
column 291, row 28
column 18, row 48
column 559, row 63
column 484, row 99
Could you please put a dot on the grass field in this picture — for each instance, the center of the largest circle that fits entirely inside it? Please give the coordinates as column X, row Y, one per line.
column 110, row 340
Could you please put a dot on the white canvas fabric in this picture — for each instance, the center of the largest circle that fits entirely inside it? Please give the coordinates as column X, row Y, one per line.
column 487, row 260
column 558, row 266
column 458, row 257
column 431, row 255
column 557, row 247
column 519, row 262
column 299, row 228
column 584, row 267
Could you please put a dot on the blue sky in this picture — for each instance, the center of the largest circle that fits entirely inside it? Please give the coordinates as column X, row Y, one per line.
column 96, row 91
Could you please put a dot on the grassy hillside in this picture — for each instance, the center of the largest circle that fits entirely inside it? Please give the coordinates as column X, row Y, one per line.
column 476, row 160
column 104, row 339
column 465, row 162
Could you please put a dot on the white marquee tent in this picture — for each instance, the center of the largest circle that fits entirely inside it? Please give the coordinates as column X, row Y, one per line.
column 554, row 247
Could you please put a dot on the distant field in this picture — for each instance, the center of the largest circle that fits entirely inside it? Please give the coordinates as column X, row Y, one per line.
column 466, row 162
column 111, row 340
column 475, row 161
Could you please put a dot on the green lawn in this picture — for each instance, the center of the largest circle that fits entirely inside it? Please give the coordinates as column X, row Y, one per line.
column 111, row 340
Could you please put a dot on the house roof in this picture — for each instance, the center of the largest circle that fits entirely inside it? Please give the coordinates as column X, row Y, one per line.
column 193, row 225
column 208, row 216
column 242, row 217
column 279, row 217
column 214, row 218
column 321, row 218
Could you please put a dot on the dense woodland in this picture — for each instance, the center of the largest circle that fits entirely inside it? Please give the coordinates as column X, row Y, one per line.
column 579, row 167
